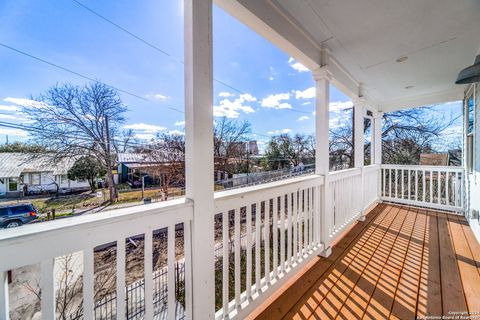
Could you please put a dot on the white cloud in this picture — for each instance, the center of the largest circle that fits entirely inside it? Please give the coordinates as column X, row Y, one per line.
column 224, row 94
column 279, row 131
column 179, row 123
column 146, row 128
column 303, row 118
column 273, row 74
column 308, row 93
column 156, row 96
column 176, row 132
column 307, row 103
column 9, row 108
column 145, row 136
column 25, row 102
column 8, row 116
column 13, row 132
column 276, row 101
column 232, row 108
column 297, row 65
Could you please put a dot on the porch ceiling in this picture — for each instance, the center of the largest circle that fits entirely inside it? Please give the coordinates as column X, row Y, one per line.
column 365, row 38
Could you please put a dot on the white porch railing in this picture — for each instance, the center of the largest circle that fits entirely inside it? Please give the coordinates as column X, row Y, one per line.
column 282, row 221
column 42, row 243
column 346, row 199
column 427, row 186
column 263, row 235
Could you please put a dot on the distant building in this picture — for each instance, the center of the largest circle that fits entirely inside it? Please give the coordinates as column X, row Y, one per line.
column 434, row 159
column 28, row 173
column 253, row 148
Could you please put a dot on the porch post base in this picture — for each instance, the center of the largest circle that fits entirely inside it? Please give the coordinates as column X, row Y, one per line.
column 326, row 253
column 362, row 217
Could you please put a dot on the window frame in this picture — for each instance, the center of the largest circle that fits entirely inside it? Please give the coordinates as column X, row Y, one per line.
column 470, row 136
column 369, row 115
column 39, row 179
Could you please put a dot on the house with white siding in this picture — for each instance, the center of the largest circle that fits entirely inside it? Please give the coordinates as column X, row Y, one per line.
column 29, row 173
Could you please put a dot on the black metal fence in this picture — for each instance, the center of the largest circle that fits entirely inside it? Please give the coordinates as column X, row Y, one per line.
column 106, row 307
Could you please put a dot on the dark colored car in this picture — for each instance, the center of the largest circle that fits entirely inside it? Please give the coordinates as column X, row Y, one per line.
column 15, row 215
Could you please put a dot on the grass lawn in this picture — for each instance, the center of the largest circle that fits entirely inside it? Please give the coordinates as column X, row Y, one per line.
column 87, row 200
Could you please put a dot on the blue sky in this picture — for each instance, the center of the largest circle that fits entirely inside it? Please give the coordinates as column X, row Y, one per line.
column 276, row 92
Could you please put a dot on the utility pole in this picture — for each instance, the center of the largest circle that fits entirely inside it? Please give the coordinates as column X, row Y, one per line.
column 109, row 163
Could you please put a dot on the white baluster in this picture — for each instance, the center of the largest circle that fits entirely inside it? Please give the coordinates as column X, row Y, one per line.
column 47, row 286
column 249, row 252
column 88, row 282
column 266, row 229
column 225, row 262
column 171, row 304
column 275, row 236
column 237, row 249
column 4, row 304
column 121, row 278
column 258, row 244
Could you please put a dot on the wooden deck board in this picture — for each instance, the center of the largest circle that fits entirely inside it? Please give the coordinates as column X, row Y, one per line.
column 401, row 263
column 323, row 286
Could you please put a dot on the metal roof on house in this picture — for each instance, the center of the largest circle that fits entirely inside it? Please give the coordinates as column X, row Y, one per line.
column 135, row 158
column 14, row 164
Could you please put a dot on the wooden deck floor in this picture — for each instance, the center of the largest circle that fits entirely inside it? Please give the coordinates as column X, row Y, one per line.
column 401, row 263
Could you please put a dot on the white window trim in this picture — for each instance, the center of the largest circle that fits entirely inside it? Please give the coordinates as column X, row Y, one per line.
column 470, row 166
column 39, row 179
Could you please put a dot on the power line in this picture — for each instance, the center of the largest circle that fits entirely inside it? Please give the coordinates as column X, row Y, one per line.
column 130, row 143
column 80, row 75
column 116, row 25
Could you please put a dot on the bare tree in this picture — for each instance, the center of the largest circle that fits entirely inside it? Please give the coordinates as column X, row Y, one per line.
column 73, row 121
column 69, row 287
column 229, row 144
column 405, row 135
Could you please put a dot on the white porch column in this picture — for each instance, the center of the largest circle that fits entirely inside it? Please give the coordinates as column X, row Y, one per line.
column 359, row 106
column 377, row 149
column 322, row 79
column 199, row 151
column 377, row 138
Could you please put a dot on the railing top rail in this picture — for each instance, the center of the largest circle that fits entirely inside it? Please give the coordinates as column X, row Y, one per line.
column 423, row 167
column 158, row 209
column 341, row 174
column 262, row 191
column 34, row 243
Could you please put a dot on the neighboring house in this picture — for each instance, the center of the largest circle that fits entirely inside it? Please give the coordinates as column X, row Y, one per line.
column 131, row 166
column 27, row 173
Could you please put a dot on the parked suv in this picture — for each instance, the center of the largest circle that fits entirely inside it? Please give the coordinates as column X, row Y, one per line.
column 15, row 215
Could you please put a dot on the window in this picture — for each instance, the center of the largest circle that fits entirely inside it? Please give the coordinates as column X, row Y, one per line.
column 12, row 184
column 470, row 114
column 367, row 146
column 3, row 212
column 35, row 179
column 63, row 179
column 21, row 209
column 470, row 128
